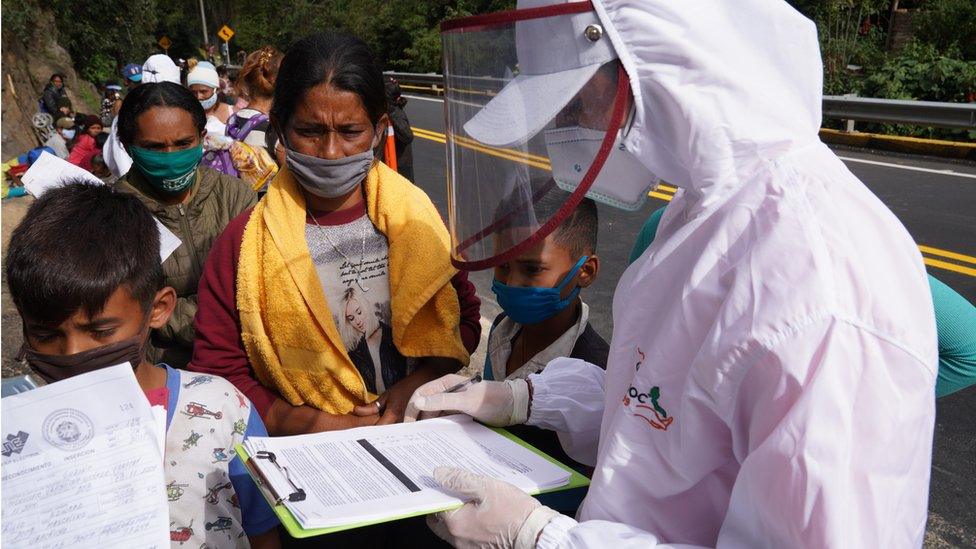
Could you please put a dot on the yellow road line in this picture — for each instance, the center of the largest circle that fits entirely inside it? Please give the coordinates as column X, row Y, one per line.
column 423, row 134
column 428, row 132
column 507, row 154
column 948, row 266
column 946, row 253
column 662, row 192
column 513, row 152
column 465, row 140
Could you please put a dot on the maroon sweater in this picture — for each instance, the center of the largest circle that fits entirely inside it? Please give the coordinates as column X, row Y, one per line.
column 218, row 348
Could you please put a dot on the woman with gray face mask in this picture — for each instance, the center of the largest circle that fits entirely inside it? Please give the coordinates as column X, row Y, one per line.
column 335, row 298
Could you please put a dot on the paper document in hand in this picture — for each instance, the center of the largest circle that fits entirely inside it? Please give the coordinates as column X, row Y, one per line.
column 82, row 466
column 168, row 242
column 50, row 171
column 370, row 473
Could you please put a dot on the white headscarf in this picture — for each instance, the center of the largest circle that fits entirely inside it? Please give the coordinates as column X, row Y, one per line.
column 160, row 68
column 204, row 73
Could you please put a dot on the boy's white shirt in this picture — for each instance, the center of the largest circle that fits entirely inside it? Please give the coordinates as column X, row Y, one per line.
column 194, row 467
column 159, row 415
column 500, row 346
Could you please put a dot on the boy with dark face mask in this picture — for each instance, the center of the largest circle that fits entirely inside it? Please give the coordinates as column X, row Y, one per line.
column 84, row 271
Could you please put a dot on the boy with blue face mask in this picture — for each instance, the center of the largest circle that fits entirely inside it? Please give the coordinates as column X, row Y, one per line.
column 543, row 316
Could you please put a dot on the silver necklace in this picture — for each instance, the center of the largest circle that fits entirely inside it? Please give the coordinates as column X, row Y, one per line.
column 362, row 255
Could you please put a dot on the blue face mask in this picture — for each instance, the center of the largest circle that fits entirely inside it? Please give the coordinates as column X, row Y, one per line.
column 208, row 103
column 535, row 305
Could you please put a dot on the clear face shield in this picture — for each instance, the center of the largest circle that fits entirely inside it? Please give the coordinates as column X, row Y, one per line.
column 535, row 102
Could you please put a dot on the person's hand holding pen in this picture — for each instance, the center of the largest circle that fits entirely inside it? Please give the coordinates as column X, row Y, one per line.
column 392, row 404
column 497, row 403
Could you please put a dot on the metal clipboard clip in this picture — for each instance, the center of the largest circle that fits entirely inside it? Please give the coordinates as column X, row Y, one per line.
column 297, row 495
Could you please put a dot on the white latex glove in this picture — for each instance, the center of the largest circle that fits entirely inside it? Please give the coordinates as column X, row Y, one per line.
column 497, row 515
column 497, row 403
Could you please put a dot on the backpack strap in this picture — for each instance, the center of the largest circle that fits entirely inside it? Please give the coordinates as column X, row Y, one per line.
column 241, row 133
column 487, row 374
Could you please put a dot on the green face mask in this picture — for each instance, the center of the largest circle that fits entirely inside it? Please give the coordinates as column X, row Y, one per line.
column 169, row 172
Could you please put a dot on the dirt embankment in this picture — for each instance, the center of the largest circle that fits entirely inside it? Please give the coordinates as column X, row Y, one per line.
column 11, row 335
column 28, row 63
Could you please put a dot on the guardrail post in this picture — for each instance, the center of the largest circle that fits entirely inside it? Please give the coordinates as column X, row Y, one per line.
column 849, row 123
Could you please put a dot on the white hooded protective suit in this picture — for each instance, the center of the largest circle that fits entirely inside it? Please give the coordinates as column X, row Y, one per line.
column 770, row 380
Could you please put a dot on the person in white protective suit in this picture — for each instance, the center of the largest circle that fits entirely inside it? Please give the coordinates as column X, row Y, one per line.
column 771, row 373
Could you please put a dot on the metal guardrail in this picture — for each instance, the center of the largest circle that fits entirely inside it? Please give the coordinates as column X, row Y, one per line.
column 430, row 79
column 891, row 111
column 886, row 111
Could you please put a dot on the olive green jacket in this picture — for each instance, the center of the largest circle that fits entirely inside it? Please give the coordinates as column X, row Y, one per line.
column 216, row 198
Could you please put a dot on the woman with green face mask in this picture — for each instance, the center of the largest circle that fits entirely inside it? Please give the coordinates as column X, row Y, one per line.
column 161, row 126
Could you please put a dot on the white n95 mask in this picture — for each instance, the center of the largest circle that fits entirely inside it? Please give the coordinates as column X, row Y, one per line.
column 623, row 181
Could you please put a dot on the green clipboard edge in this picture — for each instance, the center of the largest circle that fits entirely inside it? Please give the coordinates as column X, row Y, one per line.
column 576, row 480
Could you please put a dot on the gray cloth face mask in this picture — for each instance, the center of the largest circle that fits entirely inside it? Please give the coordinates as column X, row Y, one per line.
column 329, row 178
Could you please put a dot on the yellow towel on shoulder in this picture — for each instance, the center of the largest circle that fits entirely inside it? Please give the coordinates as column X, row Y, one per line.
column 288, row 331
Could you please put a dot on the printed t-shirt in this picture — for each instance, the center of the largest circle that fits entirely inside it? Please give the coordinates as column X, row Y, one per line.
column 212, row 499
column 351, row 258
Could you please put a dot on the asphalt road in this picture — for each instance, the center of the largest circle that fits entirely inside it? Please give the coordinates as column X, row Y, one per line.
column 936, row 201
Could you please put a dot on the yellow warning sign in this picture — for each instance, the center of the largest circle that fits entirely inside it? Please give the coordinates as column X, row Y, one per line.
column 164, row 42
column 225, row 33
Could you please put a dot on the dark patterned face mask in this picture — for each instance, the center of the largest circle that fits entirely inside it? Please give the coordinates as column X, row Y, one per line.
column 54, row 368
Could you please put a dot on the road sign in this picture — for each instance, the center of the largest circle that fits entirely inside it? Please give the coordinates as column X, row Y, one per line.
column 164, row 42
column 225, row 33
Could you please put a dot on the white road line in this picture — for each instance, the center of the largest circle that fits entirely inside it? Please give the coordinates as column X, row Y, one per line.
column 904, row 167
column 845, row 158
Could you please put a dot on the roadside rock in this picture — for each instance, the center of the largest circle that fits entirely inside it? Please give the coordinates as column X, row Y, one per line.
column 25, row 72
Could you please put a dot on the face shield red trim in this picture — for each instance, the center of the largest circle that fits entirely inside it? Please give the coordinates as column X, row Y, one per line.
column 616, row 120
column 489, row 20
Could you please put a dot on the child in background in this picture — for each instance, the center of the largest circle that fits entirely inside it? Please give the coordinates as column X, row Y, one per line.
column 84, row 272
column 544, row 317
column 85, row 146
column 101, row 171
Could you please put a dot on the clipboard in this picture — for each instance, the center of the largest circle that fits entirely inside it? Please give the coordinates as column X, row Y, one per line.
column 576, row 480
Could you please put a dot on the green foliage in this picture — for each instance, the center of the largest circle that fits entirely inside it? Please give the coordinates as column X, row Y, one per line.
column 275, row 23
column 948, row 25
column 937, row 66
column 864, row 51
column 99, row 68
column 106, row 34
column 920, row 72
column 90, row 102
column 844, row 41
column 405, row 34
column 19, row 17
